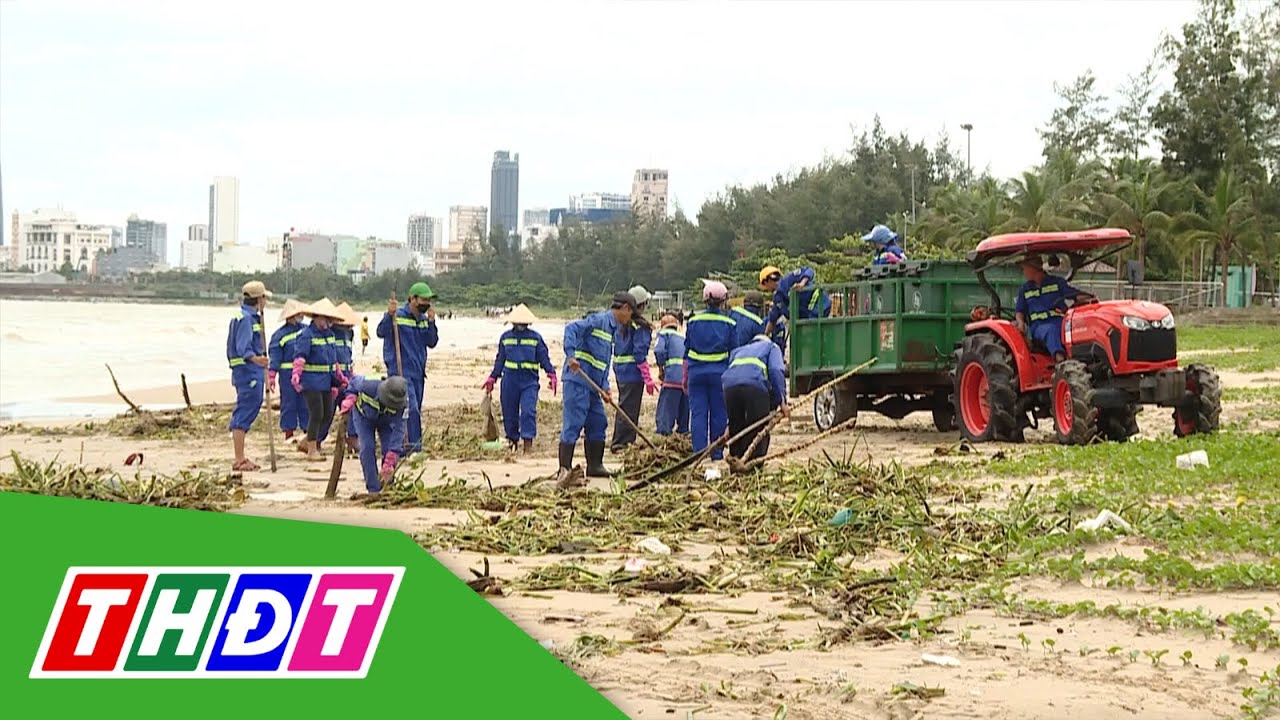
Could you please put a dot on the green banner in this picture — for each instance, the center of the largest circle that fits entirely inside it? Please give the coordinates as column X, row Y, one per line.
column 155, row 612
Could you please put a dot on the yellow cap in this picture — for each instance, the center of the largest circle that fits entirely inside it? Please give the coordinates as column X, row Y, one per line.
column 768, row 270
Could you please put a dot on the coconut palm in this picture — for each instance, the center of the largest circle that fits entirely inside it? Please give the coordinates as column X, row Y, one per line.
column 1226, row 219
column 1138, row 204
column 1052, row 197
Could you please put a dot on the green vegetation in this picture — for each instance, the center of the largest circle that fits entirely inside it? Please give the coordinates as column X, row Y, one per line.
column 1247, row 348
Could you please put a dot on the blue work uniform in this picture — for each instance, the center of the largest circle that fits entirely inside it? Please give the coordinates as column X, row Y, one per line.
column 631, row 348
column 779, row 335
column 708, row 338
column 521, row 353
column 417, row 335
column 890, row 254
column 244, row 342
column 319, row 353
column 673, row 402
column 1044, row 305
column 749, row 323
column 590, row 341
column 813, row 302
column 280, row 353
column 374, row 424
column 757, row 364
column 342, row 341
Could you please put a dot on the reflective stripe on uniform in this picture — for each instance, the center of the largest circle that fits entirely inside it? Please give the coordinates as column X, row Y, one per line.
column 813, row 301
column 411, row 322
column 1032, row 293
column 1045, row 315
column 257, row 327
column 520, row 366
column 749, row 314
column 317, row 368
column 603, row 335
column 624, row 359
column 708, row 357
column 285, row 340
column 367, row 400
column 674, row 361
column 234, row 362
column 590, row 359
column 751, row 361
column 520, row 341
column 712, row 316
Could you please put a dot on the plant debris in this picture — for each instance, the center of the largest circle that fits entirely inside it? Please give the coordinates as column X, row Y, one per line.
column 190, row 490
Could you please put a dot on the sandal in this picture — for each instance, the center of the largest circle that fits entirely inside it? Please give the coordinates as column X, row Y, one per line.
column 245, row 466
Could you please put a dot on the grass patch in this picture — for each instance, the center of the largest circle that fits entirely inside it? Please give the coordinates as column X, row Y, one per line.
column 1247, row 348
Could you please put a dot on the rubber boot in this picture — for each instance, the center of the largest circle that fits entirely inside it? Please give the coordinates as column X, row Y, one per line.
column 595, row 459
column 566, row 456
column 528, row 447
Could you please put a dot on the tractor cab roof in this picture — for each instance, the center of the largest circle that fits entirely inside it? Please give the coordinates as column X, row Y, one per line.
column 1077, row 241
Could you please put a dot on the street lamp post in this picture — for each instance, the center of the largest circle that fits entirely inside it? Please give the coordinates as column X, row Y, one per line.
column 968, row 152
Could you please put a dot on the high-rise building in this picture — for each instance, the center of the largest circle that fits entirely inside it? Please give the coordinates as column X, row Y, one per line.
column 649, row 192
column 49, row 239
column 224, row 213
column 599, row 201
column 466, row 224
column 536, row 216
column 424, row 234
column 504, row 191
column 149, row 235
column 195, row 254
column 198, row 233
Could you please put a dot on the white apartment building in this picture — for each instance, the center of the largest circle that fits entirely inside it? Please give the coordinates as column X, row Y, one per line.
column 599, row 201
column 195, row 254
column 46, row 239
column 424, row 233
column 536, row 216
column 465, row 224
column 534, row 235
column 198, row 233
column 649, row 192
column 224, row 213
column 246, row 258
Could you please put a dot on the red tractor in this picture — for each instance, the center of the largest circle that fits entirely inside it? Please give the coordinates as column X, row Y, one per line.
column 1120, row 354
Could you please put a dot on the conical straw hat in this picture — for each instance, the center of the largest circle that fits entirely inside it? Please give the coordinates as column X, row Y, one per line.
column 292, row 307
column 521, row 315
column 324, row 308
column 348, row 315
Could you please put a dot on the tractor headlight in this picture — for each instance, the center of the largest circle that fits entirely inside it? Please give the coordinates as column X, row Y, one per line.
column 1165, row 322
column 1135, row 323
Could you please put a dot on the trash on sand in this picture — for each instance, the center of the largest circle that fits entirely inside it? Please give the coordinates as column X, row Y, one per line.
column 653, row 545
column 492, row 445
column 711, row 474
column 943, row 660
column 1104, row 519
column 282, row 496
column 635, row 565
column 1192, row 459
column 490, row 431
column 548, row 644
column 841, row 518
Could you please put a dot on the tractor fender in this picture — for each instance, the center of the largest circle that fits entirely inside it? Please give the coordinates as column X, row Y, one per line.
column 1035, row 371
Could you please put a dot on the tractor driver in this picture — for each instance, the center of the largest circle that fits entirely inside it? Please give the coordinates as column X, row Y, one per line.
column 1042, row 303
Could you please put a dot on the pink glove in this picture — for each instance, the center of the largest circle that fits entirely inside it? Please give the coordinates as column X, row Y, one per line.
column 684, row 378
column 388, row 466
column 296, row 379
column 488, row 384
column 271, row 380
column 649, row 386
column 553, row 383
column 348, row 402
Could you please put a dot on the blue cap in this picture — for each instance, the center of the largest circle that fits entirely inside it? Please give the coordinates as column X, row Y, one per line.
column 880, row 235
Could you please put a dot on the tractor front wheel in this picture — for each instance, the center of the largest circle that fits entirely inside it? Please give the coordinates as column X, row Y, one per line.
column 986, row 390
column 1201, row 408
column 1075, row 419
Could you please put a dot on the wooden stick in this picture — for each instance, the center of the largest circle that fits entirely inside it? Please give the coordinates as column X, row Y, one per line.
column 639, row 433
column 807, row 443
column 186, row 396
column 271, row 426
column 339, row 452
column 395, row 337
column 120, row 392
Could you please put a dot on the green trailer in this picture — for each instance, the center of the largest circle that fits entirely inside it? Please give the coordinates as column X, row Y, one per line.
column 911, row 318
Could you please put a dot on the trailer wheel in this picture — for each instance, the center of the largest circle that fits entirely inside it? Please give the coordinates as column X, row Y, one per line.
column 1119, row 425
column 834, row 406
column 944, row 412
column 1075, row 419
column 1202, row 407
column 986, row 390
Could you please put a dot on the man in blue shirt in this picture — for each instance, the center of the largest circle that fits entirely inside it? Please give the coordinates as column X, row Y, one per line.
column 813, row 302
column 416, row 323
column 888, row 252
column 749, row 318
column 754, row 384
column 246, row 355
column 1041, row 304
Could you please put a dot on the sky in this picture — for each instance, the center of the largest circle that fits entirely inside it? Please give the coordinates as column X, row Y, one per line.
column 347, row 117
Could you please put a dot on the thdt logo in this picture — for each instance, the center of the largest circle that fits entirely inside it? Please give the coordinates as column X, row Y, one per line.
column 217, row 622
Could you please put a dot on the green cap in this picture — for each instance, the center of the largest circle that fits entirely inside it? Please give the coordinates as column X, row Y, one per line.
column 421, row 289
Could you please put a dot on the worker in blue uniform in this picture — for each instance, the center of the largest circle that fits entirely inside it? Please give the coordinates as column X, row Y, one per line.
column 377, row 408
column 813, row 302
column 708, row 338
column 588, row 351
column 887, row 249
column 631, row 343
column 521, row 353
column 418, row 333
column 668, row 353
column 280, row 351
column 754, row 384
column 344, row 348
column 316, row 374
column 749, row 318
column 248, row 362
column 1042, row 303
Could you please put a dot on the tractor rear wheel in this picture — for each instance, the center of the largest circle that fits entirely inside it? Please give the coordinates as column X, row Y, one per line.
column 1075, row 419
column 1202, row 407
column 834, row 406
column 986, row 390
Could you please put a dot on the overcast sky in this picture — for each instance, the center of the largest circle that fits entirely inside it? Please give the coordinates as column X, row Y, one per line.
column 347, row 117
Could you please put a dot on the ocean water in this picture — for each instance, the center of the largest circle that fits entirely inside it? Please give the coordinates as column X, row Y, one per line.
column 55, row 351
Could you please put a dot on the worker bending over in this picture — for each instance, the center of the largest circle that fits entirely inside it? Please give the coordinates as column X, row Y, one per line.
column 1042, row 302
column 521, row 353
column 888, row 252
column 708, row 339
column 248, row 367
column 588, row 350
column 416, row 322
column 813, row 302
column 280, row 352
column 754, row 384
column 631, row 345
column 377, row 408
column 673, row 401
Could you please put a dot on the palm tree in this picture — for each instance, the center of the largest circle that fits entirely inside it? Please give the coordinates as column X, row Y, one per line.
column 1052, row 198
column 1227, row 220
column 1136, row 203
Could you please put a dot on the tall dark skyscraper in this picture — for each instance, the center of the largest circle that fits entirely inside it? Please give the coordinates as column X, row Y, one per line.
column 504, row 191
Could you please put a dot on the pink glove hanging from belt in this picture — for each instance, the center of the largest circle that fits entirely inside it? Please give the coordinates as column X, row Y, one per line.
column 296, row 379
column 271, row 379
column 553, row 383
column 649, row 386
column 348, row 402
column 388, row 465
